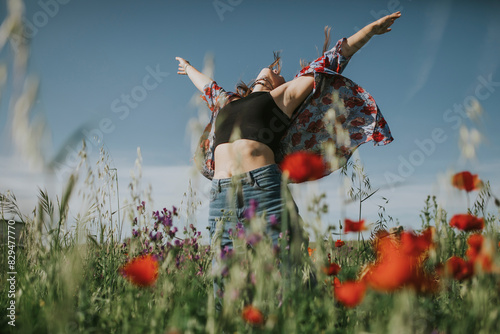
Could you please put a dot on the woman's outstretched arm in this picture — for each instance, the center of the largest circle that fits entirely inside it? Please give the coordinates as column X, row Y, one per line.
column 199, row 79
column 379, row 27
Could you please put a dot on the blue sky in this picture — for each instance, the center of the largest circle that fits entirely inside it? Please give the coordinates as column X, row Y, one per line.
column 90, row 55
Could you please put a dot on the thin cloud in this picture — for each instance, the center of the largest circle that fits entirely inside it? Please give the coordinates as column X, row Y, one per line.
column 438, row 14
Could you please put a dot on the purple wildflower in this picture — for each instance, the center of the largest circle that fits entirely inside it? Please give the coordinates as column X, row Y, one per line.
column 273, row 221
column 225, row 271
column 252, row 209
column 253, row 239
column 226, row 253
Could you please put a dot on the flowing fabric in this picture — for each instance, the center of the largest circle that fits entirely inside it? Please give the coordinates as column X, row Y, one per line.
column 335, row 119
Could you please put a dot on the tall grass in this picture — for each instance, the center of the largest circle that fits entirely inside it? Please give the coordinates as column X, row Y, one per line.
column 67, row 283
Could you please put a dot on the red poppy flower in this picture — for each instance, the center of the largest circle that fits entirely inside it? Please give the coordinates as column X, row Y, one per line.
column 415, row 245
column 479, row 254
column 391, row 273
column 399, row 262
column 252, row 315
column 141, row 271
column 459, row 268
column 466, row 181
column 310, row 250
column 350, row 293
column 303, row 166
column 467, row 222
column 332, row 269
column 354, row 226
column 475, row 242
column 339, row 243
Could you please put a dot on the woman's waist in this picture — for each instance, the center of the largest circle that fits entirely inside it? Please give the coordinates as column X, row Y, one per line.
column 250, row 177
column 241, row 156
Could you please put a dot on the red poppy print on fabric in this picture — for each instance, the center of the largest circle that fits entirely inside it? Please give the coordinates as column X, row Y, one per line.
column 354, row 102
column 304, row 117
column 377, row 136
column 310, row 142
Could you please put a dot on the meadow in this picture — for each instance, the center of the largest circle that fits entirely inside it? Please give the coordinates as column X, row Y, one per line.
column 443, row 278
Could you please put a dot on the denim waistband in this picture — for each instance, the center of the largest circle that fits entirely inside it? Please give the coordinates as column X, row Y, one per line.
column 249, row 176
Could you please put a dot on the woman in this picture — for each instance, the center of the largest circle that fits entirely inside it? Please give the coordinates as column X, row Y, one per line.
column 274, row 117
column 251, row 130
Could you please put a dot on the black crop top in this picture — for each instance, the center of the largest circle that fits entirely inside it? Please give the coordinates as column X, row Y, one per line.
column 256, row 116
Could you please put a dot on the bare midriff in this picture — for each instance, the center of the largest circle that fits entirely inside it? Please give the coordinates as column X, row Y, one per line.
column 241, row 156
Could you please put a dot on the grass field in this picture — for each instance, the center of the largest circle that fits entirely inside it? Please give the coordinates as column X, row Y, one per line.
column 402, row 282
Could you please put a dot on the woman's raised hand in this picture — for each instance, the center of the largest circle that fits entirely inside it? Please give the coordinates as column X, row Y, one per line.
column 381, row 26
column 199, row 79
column 183, row 63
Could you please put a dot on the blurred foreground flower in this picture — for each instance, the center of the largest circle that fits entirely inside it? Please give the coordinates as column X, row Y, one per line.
column 311, row 251
column 349, row 293
column 354, row 226
column 466, row 181
column 479, row 256
column 252, row 315
column 332, row 269
column 467, row 222
column 400, row 262
column 303, row 166
column 142, row 270
column 458, row 268
column 480, row 253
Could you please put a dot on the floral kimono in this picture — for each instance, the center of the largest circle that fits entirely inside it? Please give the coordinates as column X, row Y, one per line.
column 333, row 120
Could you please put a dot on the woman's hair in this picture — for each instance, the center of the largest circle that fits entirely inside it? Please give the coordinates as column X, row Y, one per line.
column 326, row 46
column 244, row 90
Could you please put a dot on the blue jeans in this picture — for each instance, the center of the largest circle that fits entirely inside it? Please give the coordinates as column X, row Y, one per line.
column 233, row 198
column 260, row 191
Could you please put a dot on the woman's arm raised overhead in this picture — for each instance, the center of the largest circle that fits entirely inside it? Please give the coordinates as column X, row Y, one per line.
column 379, row 27
column 199, row 79
column 291, row 95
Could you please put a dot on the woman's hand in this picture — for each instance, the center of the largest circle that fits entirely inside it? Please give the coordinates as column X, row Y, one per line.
column 197, row 78
column 381, row 26
column 183, row 63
